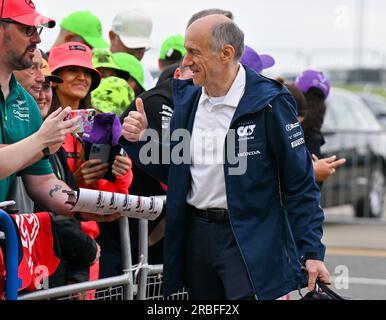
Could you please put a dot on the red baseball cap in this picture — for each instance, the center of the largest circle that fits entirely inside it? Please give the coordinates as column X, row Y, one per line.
column 24, row 12
column 74, row 54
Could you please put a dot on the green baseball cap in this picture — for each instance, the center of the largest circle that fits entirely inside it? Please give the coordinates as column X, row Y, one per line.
column 173, row 48
column 128, row 63
column 86, row 25
column 113, row 95
column 103, row 58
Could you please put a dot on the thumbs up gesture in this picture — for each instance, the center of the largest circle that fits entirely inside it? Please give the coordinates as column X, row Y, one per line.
column 135, row 123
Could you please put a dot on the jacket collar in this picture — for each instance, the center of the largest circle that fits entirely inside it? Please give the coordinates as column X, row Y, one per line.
column 185, row 97
column 259, row 92
column 235, row 92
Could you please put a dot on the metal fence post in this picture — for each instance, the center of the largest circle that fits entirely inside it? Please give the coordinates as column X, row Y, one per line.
column 143, row 259
column 126, row 256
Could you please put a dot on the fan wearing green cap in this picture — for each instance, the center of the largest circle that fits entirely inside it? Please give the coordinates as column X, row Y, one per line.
column 113, row 95
column 81, row 26
column 172, row 51
column 102, row 60
column 129, row 64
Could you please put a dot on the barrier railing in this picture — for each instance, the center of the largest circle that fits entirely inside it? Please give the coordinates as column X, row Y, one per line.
column 119, row 287
column 149, row 277
column 140, row 282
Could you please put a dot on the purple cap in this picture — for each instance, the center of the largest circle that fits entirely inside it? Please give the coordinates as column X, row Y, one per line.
column 256, row 61
column 106, row 129
column 313, row 79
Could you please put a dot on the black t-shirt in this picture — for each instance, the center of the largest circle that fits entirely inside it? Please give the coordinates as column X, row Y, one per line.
column 167, row 73
column 158, row 104
column 314, row 143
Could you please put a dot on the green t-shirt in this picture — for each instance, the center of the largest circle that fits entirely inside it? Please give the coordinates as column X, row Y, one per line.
column 20, row 117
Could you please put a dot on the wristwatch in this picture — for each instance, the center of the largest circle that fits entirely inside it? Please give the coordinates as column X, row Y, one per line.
column 46, row 153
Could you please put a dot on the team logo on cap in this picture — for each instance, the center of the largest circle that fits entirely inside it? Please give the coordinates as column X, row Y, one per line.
column 30, row 3
column 77, row 47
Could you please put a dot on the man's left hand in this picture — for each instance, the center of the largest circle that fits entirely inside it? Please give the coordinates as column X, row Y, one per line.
column 316, row 270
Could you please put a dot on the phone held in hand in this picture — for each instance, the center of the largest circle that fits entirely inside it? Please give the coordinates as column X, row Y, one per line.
column 100, row 151
column 122, row 152
column 86, row 119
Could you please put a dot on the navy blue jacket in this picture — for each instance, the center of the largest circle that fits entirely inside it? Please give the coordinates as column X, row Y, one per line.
column 274, row 206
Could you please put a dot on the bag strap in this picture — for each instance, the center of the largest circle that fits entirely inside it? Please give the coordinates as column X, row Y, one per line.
column 321, row 287
column 328, row 291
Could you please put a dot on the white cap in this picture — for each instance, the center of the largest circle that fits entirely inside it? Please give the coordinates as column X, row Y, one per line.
column 134, row 28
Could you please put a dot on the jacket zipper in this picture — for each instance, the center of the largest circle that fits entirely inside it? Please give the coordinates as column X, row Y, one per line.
column 285, row 218
column 288, row 227
column 242, row 256
column 233, row 121
column 234, row 234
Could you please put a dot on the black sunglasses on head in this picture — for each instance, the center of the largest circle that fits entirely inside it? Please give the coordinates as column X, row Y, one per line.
column 28, row 30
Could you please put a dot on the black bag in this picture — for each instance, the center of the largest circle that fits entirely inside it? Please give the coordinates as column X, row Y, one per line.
column 322, row 292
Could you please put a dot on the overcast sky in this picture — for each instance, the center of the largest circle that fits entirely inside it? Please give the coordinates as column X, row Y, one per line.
column 298, row 33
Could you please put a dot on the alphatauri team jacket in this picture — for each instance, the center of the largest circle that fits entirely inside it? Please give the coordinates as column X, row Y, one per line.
column 273, row 206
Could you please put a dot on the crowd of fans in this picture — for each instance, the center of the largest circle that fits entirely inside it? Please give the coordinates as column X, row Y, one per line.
column 41, row 154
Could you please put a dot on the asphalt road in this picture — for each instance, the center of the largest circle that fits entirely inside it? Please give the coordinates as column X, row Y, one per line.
column 355, row 256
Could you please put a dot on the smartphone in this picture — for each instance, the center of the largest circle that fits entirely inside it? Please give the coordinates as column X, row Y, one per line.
column 100, row 151
column 86, row 119
column 122, row 152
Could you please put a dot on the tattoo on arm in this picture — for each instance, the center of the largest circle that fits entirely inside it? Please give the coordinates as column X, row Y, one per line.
column 55, row 189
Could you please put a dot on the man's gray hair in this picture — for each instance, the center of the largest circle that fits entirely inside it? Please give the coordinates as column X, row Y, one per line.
column 228, row 33
column 208, row 12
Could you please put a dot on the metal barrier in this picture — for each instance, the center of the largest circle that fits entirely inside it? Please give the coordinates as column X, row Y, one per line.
column 113, row 288
column 12, row 250
column 149, row 277
column 106, row 289
column 154, row 286
column 140, row 282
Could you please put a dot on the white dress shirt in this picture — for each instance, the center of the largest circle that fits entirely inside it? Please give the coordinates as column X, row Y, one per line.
column 211, row 124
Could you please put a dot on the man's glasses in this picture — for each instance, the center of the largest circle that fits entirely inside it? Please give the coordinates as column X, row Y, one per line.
column 28, row 30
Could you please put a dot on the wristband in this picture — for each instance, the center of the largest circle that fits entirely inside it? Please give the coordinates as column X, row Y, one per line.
column 46, row 153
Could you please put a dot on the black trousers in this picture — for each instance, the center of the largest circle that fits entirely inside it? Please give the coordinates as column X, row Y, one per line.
column 214, row 266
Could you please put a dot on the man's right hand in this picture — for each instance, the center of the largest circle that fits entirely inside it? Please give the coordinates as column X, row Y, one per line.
column 55, row 128
column 135, row 123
